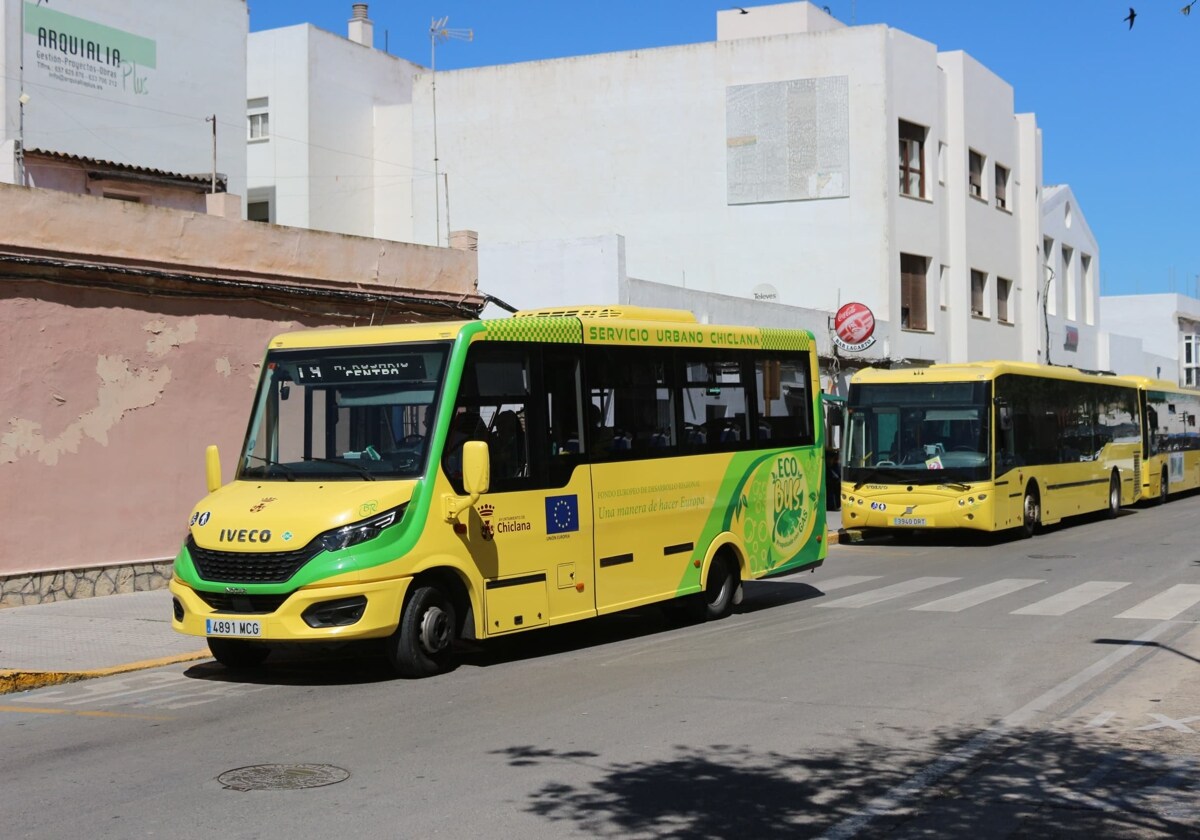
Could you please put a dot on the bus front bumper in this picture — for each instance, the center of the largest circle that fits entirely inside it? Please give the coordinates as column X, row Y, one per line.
column 919, row 511
column 193, row 616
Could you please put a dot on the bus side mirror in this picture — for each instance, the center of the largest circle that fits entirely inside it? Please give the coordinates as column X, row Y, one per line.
column 1004, row 411
column 834, row 416
column 212, row 468
column 477, row 473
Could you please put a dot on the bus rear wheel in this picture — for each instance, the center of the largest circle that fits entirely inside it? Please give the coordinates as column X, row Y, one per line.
column 720, row 590
column 1114, row 497
column 1031, row 515
column 237, row 654
column 424, row 640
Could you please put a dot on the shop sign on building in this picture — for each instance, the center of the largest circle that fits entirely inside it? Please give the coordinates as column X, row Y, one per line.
column 854, row 327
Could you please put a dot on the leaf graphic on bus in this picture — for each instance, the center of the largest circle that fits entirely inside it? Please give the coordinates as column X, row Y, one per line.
column 740, row 506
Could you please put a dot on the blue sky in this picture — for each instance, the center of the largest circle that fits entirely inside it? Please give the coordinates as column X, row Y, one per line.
column 1118, row 107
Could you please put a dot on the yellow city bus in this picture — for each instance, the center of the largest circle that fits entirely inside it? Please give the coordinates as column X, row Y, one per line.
column 425, row 483
column 1170, row 438
column 987, row 446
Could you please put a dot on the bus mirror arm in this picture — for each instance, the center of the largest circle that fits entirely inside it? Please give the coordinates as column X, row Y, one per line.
column 212, row 468
column 476, row 479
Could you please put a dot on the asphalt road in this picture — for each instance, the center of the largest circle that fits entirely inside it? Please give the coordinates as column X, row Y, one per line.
column 940, row 687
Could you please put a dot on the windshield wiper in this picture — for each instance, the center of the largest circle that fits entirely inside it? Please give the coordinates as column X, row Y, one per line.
column 366, row 473
column 956, row 485
column 291, row 476
column 873, row 474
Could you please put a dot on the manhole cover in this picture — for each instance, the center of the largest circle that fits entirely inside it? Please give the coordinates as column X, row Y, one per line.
column 282, row 776
column 1051, row 556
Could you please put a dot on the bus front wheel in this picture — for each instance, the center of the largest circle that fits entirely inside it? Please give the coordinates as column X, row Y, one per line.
column 237, row 654
column 424, row 640
column 1114, row 496
column 1031, row 516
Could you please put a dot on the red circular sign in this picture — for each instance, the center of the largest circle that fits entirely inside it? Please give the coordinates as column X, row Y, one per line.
column 854, row 323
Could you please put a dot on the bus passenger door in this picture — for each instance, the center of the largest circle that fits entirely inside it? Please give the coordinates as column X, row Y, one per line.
column 531, row 533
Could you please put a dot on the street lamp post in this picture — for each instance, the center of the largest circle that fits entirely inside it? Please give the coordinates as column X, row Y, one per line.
column 438, row 33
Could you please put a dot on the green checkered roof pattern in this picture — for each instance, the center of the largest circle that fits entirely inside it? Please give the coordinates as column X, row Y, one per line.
column 776, row 339
column 555, row 330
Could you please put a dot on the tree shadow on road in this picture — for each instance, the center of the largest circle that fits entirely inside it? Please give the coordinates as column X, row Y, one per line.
column 961, row 784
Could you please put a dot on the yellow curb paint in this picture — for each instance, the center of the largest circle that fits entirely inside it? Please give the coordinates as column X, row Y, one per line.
column 13, row 681
column 35, row 710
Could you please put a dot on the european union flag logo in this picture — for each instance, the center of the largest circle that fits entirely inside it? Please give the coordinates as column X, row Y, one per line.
column 562, row 514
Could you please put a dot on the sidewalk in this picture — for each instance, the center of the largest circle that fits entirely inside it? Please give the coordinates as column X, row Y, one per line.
column 65, row 641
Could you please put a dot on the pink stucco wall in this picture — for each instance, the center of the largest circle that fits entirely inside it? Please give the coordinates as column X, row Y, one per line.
column 111, row 387
column 109, row 401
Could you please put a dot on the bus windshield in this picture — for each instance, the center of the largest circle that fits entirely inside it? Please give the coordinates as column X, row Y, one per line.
column 917, row 433
column 344, row 414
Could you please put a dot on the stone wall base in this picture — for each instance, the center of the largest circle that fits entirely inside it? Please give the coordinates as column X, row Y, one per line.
column 44, row 587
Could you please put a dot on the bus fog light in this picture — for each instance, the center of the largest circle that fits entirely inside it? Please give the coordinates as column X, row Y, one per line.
column 982, row 496
column 177, row 609
column 339, row 613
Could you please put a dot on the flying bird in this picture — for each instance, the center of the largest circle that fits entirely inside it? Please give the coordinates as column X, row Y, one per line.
column 1187, row 10
column 1130, row 17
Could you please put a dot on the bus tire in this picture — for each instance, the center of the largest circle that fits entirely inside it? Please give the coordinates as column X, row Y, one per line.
column 720, row 589
column 1114, row 496
column 238, row 654
column 423, row 644
column 1162, row 488
column 1031, row 511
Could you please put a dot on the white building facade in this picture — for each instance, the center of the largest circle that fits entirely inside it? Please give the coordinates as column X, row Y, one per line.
column 1169, row 327
column 137, row 83
column 794, row 162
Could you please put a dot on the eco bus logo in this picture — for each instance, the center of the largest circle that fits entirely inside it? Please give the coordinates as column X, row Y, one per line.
column 791, row 514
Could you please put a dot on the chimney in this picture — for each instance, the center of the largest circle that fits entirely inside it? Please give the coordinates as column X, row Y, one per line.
column 362, row 31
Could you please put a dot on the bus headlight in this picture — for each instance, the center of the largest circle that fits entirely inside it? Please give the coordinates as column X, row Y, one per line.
column 360, row 532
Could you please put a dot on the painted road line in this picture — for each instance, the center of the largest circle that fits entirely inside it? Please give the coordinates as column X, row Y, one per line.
column 1073, row 598
column 887, row 593
column 1166, row 605
column 903, row 793
column 35, row 710
column 978, row 595
column 16, row 680
column 843, row 582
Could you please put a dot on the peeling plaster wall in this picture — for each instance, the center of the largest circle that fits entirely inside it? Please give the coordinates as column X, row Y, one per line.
column 106, row 405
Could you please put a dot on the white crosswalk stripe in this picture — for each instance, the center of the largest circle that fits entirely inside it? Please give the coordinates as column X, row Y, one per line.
column 1166, row 605
column 1073, row 598
column 978, row 595
column 887, row 593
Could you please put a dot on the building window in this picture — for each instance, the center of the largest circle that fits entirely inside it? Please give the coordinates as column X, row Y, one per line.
column 1070, row 286
column 258, row 211
column 913, row 280
column 1050, row 272
column 912, row 159
column 976, row 174
column 1003, row 294
column 1088, row 281
column 1191, row 359
column 978, row 293
column 1001, row 187
column 258, row 119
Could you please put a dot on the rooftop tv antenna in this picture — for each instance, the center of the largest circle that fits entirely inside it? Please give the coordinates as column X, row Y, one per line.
column 439, row 33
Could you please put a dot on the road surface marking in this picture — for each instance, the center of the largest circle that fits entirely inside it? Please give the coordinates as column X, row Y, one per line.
column 887, row 593
column 978, row 595
column 1073, row 598
column 1166, row 605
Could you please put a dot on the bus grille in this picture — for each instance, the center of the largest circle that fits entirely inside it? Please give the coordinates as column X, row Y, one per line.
column 245, row 604
column 249, row 567
column 1137, row 470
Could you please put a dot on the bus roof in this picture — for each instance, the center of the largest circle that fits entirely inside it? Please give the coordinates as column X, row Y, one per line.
column 978, row 372
column 612, row 325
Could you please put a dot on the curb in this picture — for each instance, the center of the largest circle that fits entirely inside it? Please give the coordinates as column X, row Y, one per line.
column 12, row 681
